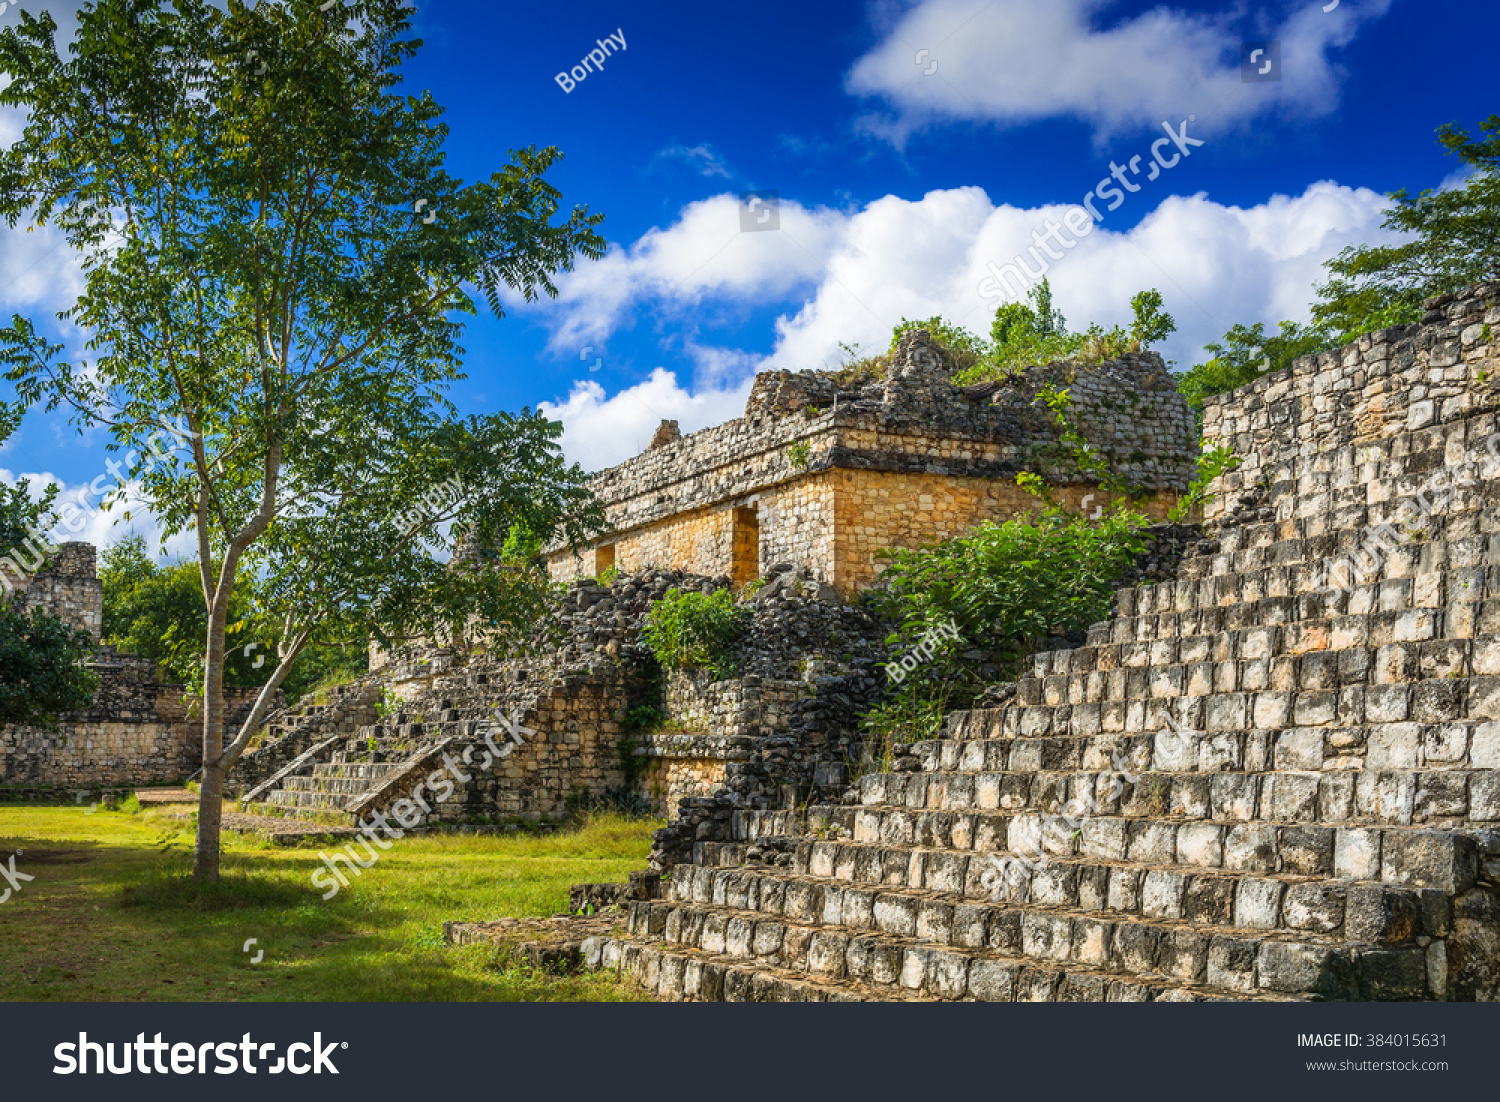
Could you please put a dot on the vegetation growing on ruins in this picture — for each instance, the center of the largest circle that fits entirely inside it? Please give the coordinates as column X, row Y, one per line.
column 1007, row 587
column 1023, row 334
column 258, row 281
column 42, row 669
column 692, row 630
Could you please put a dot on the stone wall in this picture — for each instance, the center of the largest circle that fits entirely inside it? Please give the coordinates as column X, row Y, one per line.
column 1387, row 383
column 928, row 457
column 571, row 752
column 794, row 522
column 136, row 731
column 879, row 509
column 679, row 767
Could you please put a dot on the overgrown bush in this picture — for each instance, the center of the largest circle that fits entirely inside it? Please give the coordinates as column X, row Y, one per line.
column 1007, row 586
column 1006, row 589
column 686, row 630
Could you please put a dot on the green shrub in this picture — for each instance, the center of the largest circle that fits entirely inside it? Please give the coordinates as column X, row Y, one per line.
column 1007, row 588
column 687, row 630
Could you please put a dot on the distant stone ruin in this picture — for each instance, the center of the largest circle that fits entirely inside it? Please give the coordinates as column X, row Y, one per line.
column 137, row 731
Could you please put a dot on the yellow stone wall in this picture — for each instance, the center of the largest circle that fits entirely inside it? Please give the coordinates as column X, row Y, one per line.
column 796, row 524
column 876, row 509
column 666, row 782
column 834, row 521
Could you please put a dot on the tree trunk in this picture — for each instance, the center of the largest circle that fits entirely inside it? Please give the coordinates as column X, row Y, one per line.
column 211, row 789
column 210, row 809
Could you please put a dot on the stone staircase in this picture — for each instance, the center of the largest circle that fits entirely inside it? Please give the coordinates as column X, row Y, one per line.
column 291, row 732
column 354, row 773
column 1248, row 785
column 353, row 769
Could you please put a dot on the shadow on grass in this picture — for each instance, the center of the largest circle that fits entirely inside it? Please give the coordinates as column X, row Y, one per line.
column 168, row 889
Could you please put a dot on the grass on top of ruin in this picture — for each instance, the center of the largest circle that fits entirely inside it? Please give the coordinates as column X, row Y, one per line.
column 112, row 914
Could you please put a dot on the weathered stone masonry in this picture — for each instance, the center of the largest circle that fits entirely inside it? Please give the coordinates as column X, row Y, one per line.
column 892, row 464
column 137, row 730
column 1319, row 820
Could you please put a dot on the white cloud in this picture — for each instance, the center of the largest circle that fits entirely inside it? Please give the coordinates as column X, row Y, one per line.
column 703, row 254
column 1215, row 265
column 600, row 431
column 84, row 516
column 37, row 269
column 1014, row 61
column 702, row 158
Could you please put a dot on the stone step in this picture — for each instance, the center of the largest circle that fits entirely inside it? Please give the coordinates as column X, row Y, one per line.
column 1422, row 859
column 1267, row 699
column 1396, row 797
column 1152, row 744
column 1291, row 540
column 356, row 770
column 1251, row 631
column 1473, row 701
column 347, row 786
column 1205, row 967
column 1450, row 539
column 850, row 891
column 1417, row 856
column 674, row 974
column 683, row 975
column 1326, row 585
column 1395, row 647
column 294, row 799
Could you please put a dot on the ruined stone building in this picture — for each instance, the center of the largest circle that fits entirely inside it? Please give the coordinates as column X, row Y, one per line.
column 138, row 730
column 823, row 474
column 1271, row 777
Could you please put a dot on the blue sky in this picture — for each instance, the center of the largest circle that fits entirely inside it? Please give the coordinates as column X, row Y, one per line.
column 912, row 145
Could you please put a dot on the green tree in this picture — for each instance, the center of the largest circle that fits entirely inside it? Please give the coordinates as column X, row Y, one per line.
column 1454, row 242
column 1245, row 354
column 156, row 611
column 1151, row 323
column 275, row 264
column 42, row 659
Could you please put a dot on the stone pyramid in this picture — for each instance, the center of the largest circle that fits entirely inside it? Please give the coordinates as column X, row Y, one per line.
column 1274, row 778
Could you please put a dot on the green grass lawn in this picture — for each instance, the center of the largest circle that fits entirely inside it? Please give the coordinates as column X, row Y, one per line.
column 112, row 914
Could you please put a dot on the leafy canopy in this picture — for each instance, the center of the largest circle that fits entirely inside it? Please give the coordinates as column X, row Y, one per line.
column 1454, row 242
column 156, row 611
column 276, row 264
